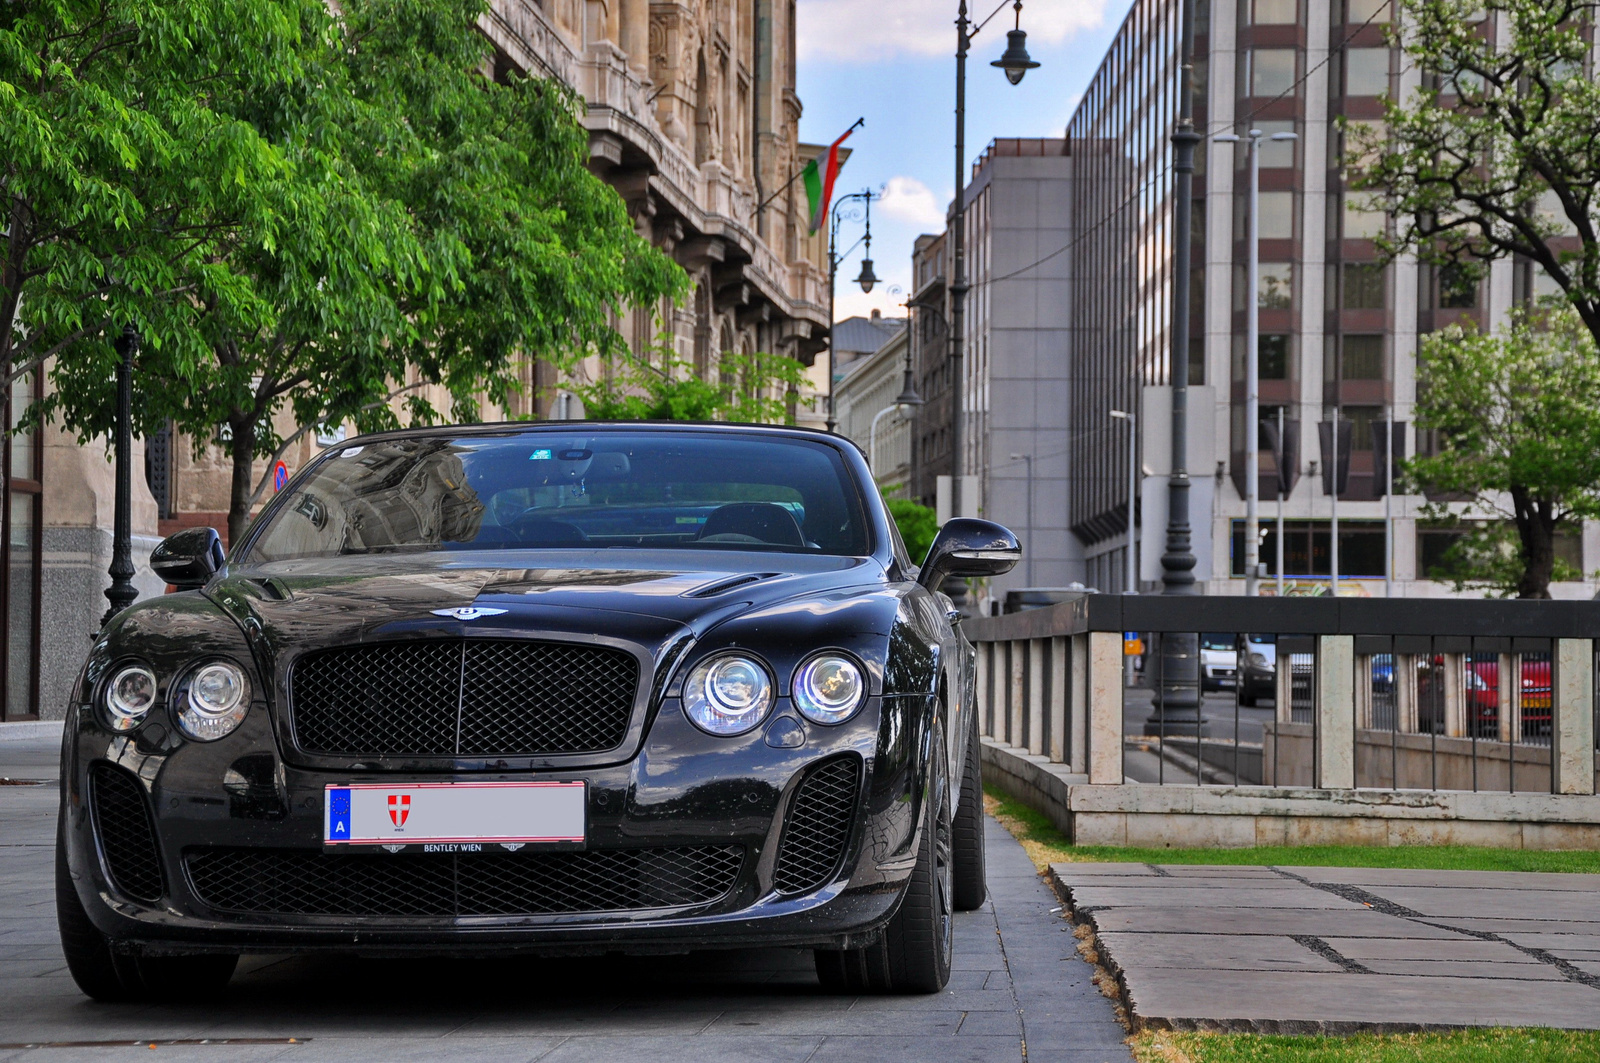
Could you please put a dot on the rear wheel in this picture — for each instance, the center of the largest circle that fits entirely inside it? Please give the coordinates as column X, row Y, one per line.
column 914, row 953
column 106, row 976
column 971, row 888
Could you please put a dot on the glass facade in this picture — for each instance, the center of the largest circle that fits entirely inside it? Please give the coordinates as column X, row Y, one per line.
column 1120, row 142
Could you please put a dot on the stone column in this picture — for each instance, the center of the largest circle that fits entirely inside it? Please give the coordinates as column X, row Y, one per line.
column 1016, row 693
column 982, row 703
column 634, row 34
column 1061, row 693
column 1078, row 712
column 1038, row 704
column 1572, row 736
column 1105, row 707
column 1335, row 707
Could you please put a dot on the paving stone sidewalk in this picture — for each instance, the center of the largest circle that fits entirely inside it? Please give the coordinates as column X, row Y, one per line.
column 1327, row 949
column 1019, row 991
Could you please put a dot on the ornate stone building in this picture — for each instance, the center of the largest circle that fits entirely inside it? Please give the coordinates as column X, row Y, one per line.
column 693, row 119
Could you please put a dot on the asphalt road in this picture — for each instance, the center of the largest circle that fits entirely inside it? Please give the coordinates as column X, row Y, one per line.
column 1019, row 991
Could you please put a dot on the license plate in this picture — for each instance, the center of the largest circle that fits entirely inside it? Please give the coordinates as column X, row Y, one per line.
column 454, row 817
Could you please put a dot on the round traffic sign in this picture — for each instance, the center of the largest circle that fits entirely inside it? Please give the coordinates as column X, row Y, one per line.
column 280, row 476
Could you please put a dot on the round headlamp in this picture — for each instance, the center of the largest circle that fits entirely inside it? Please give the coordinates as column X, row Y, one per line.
column 129, row 696
column 214, row 700
column 829, row 688
column 728, row 695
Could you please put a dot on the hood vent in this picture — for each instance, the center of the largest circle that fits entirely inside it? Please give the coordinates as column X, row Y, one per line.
column 711, row 590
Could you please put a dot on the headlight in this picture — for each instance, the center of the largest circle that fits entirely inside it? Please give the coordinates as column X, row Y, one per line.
column 727, row 695
column 829, row 688
column 129, row 696
column 1258, row 660
column 214, row 701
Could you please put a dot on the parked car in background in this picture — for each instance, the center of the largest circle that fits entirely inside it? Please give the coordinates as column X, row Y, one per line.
column 1219, row 660
column 1480, row 682
column 1259, row 677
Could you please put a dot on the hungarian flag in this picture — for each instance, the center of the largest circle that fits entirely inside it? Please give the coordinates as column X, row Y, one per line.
column 819, row 182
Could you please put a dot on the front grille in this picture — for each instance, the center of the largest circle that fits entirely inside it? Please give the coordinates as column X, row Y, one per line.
column 463, row 697
column 818, row 827
column 309, row 882
column 127, row 832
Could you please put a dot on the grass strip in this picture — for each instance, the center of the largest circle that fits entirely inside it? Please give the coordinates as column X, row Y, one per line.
column 1047, row 845
column 1508, row 1045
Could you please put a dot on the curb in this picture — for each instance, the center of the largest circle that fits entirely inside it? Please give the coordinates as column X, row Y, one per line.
column 30, row 730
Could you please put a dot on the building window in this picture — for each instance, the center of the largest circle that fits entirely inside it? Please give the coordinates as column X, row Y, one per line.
column 1366, row 71
column 1275, row 290
column 1433, row 545
column 1272, row 355
column 1306, row 553
column 1274, row 12
column 20, row 559
column 1361, row 419
column 1277, row 216
column 1365, row 11
column 1271, row 71
column 1458, row 288
column 1275, row 154
column 1360, row 221
column 1362, row 358
column 1363, row 286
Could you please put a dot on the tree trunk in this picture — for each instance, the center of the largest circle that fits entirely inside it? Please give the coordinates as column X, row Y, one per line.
column 1536, row 528
column 243, row 483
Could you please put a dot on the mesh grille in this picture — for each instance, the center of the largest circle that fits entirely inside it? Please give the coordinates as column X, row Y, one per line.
column 308, row 882
column 127, row 834
column 818, row 827
column 474, row 697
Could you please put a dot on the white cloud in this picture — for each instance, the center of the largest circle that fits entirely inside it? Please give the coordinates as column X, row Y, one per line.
column 909, row 200
column 864, row 30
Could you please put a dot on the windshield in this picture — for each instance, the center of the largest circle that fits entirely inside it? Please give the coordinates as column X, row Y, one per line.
column 548, row 489
column 1211, row 640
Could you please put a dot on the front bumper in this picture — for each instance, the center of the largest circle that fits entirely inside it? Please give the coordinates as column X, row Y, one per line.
column 683, row 788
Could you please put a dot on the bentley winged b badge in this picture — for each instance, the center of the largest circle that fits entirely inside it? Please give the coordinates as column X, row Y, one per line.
column 467, row 612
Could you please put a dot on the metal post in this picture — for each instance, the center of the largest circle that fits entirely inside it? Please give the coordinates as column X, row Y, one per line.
column 1333, row 537
column 1179, row 686
column 1283, row 481
column 1131, row 579
column 833, row 268
column 121, row 593
column 1252, row 379
column 1028, row 564
column 958, row 266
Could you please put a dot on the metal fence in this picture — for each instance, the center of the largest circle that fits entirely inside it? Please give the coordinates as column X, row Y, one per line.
column 1358, row 694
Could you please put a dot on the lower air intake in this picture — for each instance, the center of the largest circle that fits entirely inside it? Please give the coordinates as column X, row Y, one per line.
column 818, row 826
column 309, row 882
column 126, row 831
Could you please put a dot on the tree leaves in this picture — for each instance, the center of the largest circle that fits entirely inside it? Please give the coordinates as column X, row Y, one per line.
column 1517, row 416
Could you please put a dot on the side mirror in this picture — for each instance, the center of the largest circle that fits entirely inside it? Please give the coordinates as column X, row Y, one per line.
column 968, row 547
column 188, row 559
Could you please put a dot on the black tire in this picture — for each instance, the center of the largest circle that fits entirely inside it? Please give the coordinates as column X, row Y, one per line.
column 89, row 957
column 914, row 953
column 971, row 886
column 1247, row 699
column 108, row 977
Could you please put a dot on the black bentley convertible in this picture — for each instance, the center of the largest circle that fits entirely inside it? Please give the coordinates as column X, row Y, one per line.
column 552, row 688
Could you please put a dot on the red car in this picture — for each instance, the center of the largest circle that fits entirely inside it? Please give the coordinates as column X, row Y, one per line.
column 1482, row 684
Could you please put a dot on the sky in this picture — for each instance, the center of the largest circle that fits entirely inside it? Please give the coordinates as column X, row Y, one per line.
column 894, row 65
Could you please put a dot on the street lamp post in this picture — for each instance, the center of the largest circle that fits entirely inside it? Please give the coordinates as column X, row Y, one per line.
column 867, row 278
column 1131, row 581
column 1016, row 63
column 904, row 403
column 1252, row 362
column 1029, row 552
column 122, row 592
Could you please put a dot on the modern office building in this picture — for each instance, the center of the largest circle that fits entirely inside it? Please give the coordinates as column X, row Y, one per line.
column 1338, row 328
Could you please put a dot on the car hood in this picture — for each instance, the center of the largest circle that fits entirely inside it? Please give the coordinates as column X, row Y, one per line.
column 645, row 597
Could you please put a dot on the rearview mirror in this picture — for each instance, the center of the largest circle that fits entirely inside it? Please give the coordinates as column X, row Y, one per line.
column 188, row 559
column 969, row 548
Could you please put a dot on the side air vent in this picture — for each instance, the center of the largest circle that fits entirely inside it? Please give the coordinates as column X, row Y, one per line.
column 818, row 826
column 711, row 590
column 126, row 831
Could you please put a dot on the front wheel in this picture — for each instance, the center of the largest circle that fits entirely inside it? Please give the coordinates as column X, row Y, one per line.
column 971, row 886
column 915, row 951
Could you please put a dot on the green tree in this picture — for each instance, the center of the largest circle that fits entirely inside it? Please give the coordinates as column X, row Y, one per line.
column 1517, row 417
column 1497, row 154
column 440, row 228
column 749, row 388
column 917, row 523
column 120, row 174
